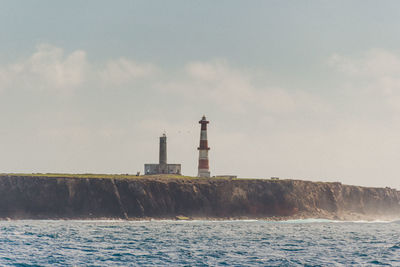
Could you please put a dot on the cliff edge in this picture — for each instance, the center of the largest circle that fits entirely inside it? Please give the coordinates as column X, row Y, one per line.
column 159, row 197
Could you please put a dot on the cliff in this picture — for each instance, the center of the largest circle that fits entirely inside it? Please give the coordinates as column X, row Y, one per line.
column 69, row 197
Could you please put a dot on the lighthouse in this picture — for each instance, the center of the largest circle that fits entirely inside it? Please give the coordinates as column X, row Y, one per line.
column 203, row 150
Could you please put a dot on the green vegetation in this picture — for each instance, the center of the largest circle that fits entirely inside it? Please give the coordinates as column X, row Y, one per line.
column 117, row 176
column 90, row 175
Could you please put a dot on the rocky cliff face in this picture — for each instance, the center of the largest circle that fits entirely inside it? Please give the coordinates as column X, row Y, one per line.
column 23, row 197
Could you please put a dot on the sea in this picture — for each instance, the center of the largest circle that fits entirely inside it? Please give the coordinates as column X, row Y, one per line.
column 311, row 242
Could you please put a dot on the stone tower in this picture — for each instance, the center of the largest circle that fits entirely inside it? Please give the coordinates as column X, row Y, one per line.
column 162, row 167
column 163, row 149
column 203, row 150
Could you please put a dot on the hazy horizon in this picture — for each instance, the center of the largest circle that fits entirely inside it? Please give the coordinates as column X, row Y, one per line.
column 299, row 90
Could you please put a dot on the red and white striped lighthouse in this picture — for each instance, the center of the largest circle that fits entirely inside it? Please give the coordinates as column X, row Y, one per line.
column 203, row 150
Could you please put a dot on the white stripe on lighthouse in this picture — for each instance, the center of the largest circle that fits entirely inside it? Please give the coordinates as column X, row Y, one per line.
column 203, row 135
column 203, row 154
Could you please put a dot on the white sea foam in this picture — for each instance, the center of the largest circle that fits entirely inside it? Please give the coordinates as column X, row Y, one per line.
column 318, row 220
column 309, row 220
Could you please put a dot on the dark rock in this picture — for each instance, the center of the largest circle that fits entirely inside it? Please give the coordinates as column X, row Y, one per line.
column 24, row 197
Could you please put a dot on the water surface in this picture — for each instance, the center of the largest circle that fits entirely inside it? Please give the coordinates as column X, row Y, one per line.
column 200, row 243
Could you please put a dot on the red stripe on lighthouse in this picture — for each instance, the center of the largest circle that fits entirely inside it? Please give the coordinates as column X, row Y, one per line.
column 203, row 164
column 204, row 145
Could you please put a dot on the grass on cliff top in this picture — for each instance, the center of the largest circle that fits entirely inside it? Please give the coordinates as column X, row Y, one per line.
column 114, row 176
column 88, row 175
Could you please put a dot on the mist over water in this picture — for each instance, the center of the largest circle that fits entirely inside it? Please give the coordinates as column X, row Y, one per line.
column 233, row 243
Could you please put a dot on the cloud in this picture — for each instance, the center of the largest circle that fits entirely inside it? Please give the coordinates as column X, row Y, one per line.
column 123, row 71
column 376, row 72
column 375, row 62
column 238, row 91
column 381, row 67
column 50, row 68
column 234, row 90
column 47, row 68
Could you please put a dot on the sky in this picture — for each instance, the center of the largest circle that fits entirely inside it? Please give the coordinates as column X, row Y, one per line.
column 293, row 89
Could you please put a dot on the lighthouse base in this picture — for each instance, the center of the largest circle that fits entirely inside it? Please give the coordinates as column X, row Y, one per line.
column 204, row 173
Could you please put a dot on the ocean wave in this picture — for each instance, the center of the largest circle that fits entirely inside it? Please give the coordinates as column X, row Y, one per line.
column 122, row 221
column 318, row 241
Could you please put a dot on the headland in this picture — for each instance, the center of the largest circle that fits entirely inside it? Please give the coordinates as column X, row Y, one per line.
column 91, row 196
